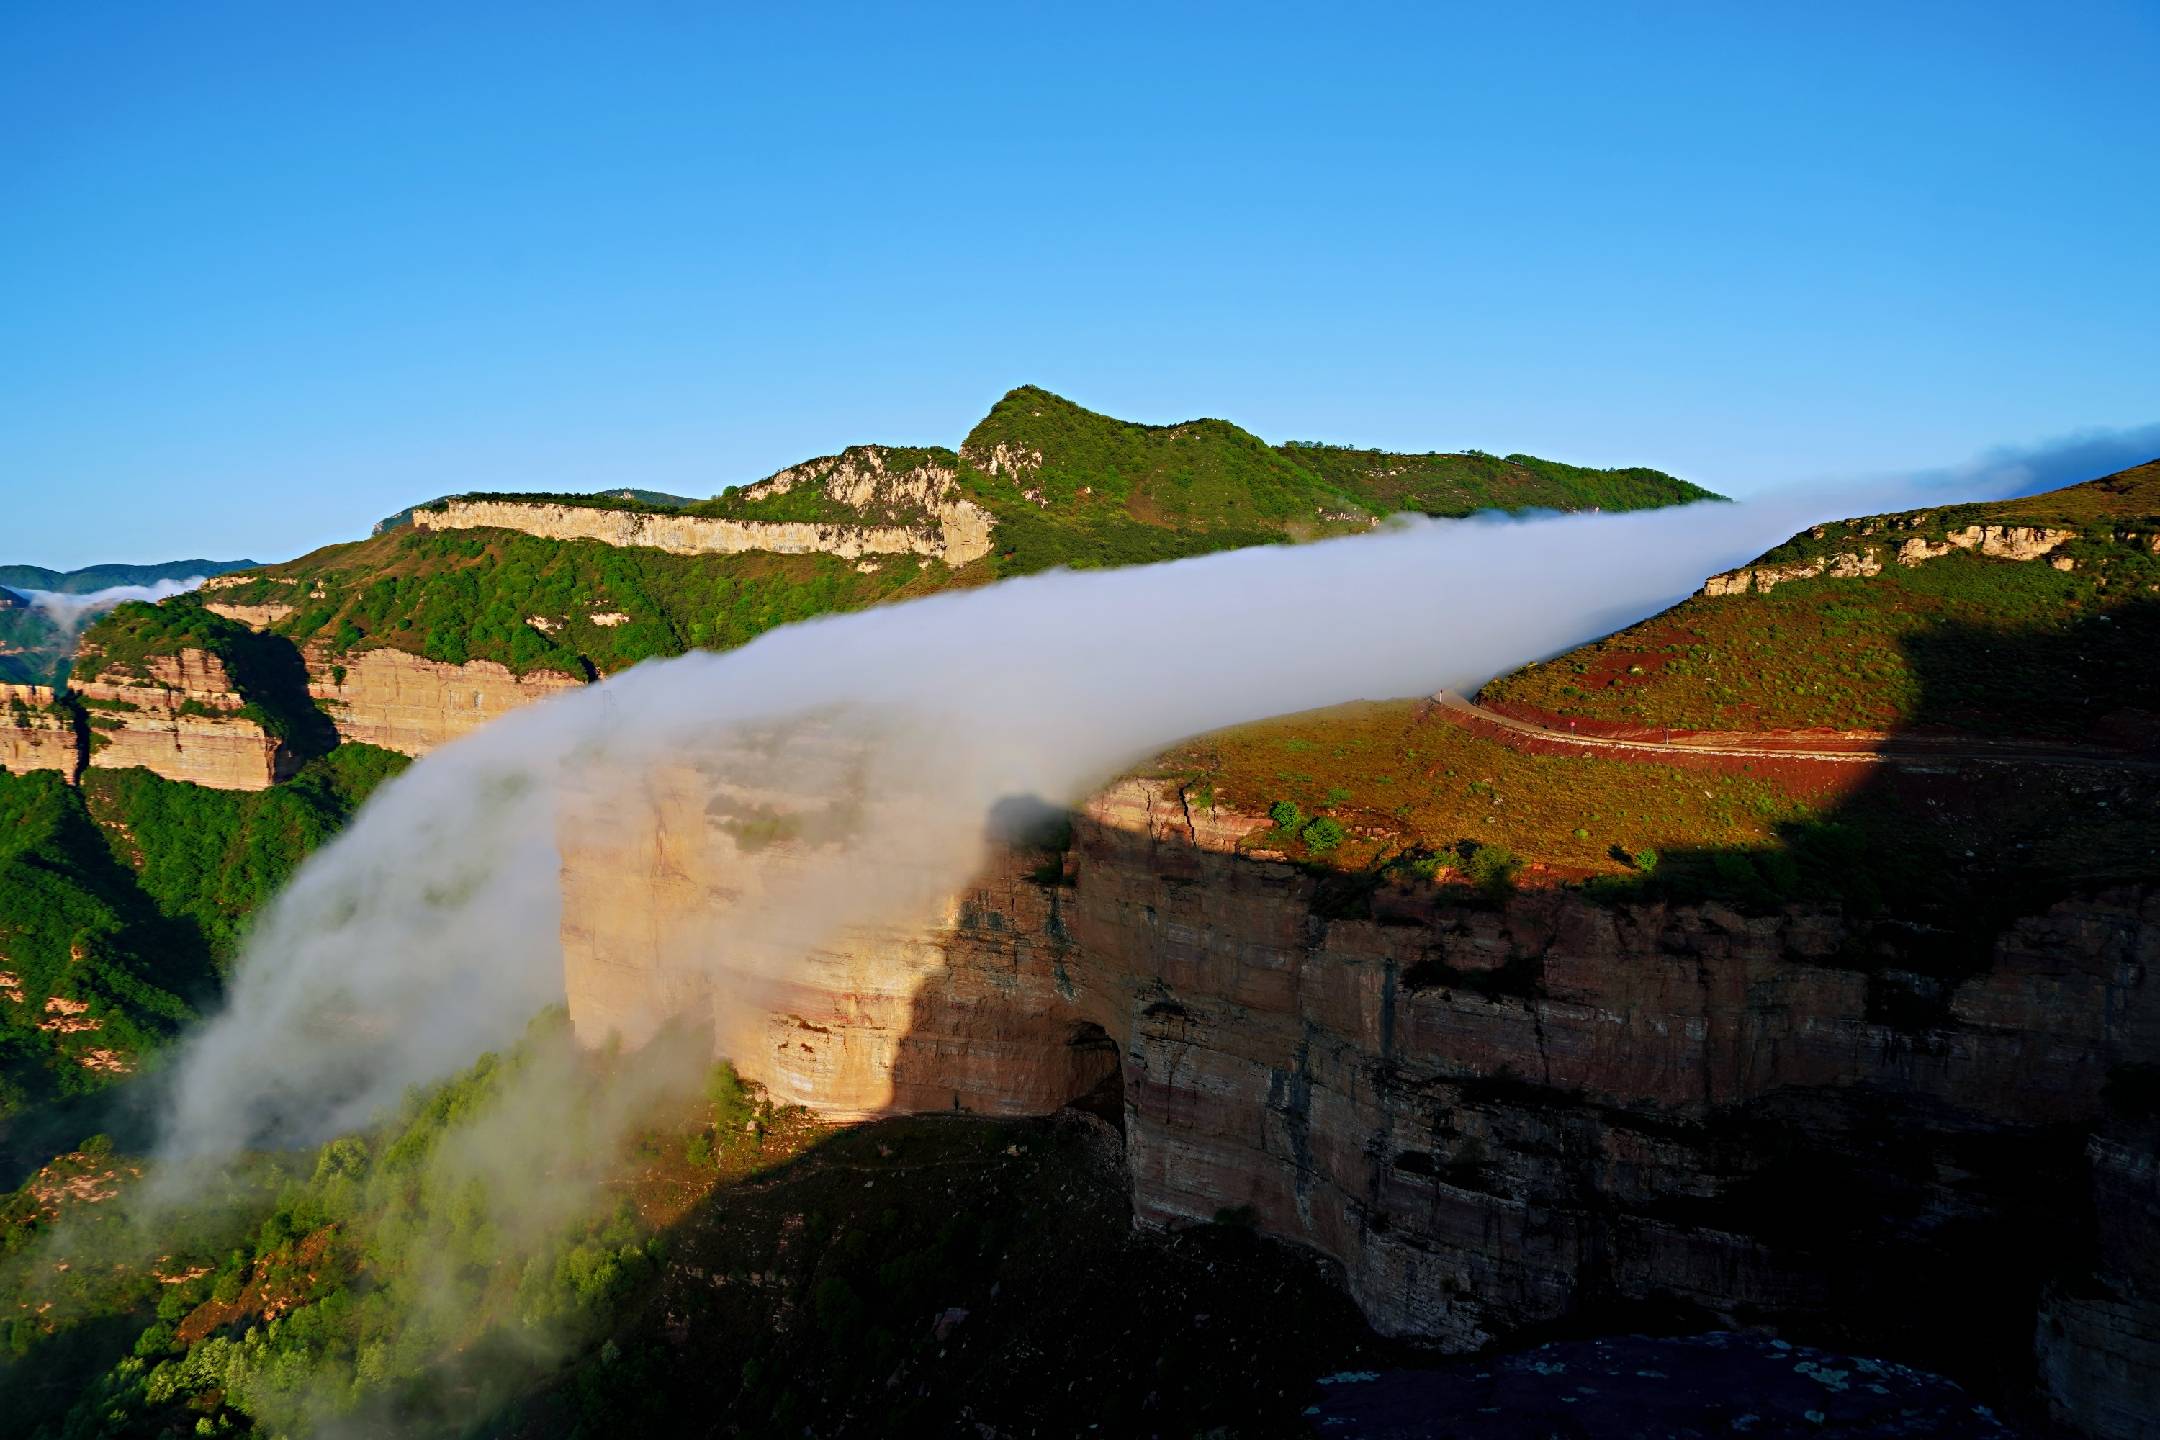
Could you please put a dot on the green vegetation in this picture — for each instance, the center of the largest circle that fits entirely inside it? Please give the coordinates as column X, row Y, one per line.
column 1962, row 642
column 95, row 976
column 266, row 670
column 1065, row 487
column 373, row 1281
column 211, row 858
column 127, row 897
column 105, row 577
column 807, row 499
column 1422, row 801
column 33, row 649
column 1109, row 492
column 890, row 1278
column 455, row 596
column 1463, row 484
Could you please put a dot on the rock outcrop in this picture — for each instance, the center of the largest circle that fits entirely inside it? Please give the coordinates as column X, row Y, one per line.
column 939, row 522
column 404, row 702
column 2000, row 542
column 37, row 732
column 1494, row 1118
column 182, row 717
column 255, row 617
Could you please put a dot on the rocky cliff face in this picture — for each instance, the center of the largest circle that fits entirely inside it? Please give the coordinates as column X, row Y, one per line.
column 255, row 617
column 956, row 530
column 2098, row 1337
column 36, row 733
column 181, row 716
column 1494, row 1118
column 403, row 702
column 2001, row 542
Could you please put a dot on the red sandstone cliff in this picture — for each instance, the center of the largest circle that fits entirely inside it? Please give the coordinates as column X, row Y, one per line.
column 1494, row 1118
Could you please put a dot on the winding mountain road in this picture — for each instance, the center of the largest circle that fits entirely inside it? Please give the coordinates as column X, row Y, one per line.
column 1849, row 748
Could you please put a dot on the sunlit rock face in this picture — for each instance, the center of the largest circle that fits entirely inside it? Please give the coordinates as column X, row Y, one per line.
column 902, row 511
column 700, row 892
column 180, row 716
column 1492, row 1117
column 404, row 702
column 36, row 734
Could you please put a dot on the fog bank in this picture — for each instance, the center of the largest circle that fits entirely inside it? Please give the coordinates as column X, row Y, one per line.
column 428, row 932
column 71, row 611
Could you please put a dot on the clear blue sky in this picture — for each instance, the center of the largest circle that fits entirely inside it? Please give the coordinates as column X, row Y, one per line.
column 270, row 271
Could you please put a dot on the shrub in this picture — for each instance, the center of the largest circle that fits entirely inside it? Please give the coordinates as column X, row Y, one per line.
column 730, row 1097
column 1322, row 835
column 1287, row 817
column 1492, row 868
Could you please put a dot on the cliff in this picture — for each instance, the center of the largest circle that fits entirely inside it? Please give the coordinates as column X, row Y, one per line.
column 403, row 702
column 955, row 531
column 255, row 617
column 2018, row 543
column 1495, row 1117
column 37, row 732
column 180, row 716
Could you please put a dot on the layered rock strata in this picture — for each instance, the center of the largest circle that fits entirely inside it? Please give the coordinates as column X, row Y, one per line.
column 182, row 717
column 1494, row 1118
column 949, row 528
column 37, row 732
column 404, row 702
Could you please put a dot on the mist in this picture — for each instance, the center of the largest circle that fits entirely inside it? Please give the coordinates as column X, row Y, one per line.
column 429, row 931
column 71, row 611
column 875, row 745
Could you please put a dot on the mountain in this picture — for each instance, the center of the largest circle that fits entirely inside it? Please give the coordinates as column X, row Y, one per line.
column 1531, row 1018
column 2031, row 617
column 106, row 577
column 579, row 584
column 1071, row 487
column 33, row 646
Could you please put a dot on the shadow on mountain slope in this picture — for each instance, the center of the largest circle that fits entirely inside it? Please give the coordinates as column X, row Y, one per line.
column 1937, row 857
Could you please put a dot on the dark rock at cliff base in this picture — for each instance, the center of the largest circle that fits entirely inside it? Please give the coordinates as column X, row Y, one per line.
column 1718, row 1384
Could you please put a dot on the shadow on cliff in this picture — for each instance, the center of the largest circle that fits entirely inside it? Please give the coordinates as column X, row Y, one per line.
column 1935, row 857
column 272, row 675
column 1883, row 1219
column 1928, row 1229
column 166, row 950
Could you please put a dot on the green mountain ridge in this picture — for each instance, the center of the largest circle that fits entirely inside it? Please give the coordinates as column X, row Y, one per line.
column 329, row 1265
column 107, row 576
column 2004, row 641
column 1065, row 486
column 34, row 649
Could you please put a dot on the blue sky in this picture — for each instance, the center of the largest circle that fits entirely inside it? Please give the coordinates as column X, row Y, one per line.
column 272, row 271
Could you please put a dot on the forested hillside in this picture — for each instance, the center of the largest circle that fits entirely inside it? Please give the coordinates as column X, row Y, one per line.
column 1064, row 485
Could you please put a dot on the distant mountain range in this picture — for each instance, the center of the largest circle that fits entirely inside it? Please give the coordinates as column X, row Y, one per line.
column 105, row 577
column 33, row 648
